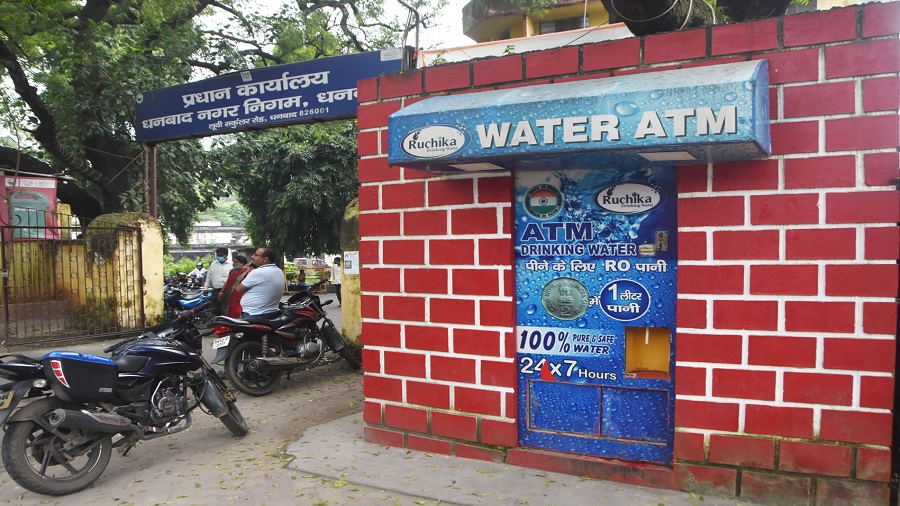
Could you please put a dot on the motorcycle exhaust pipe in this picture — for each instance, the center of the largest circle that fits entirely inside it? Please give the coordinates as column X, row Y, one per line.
column 272, row 364
column 97, row 422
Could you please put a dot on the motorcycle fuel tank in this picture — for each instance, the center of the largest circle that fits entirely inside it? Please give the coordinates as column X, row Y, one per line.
column 164, row 353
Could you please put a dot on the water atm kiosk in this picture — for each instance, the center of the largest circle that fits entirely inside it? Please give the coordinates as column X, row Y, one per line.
column 595, row 234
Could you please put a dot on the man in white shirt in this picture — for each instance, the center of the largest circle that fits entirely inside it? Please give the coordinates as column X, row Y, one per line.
column 263, row 287
column 198, row 274
column 337, row 273
column 217, row 275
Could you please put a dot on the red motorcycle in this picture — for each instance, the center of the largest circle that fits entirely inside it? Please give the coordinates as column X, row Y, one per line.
column 258, row 350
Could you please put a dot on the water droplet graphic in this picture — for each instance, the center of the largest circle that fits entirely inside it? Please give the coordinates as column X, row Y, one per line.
column 731, row 96
column 531, row 309
column 626, row 108
column 656, row 95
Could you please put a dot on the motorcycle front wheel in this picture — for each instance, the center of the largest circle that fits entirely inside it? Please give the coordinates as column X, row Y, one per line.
column 350, row 357
column 234, row 420
column 39, row 461
column 250, row 382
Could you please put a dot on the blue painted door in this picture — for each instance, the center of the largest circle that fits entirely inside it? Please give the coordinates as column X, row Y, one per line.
column 596, row 267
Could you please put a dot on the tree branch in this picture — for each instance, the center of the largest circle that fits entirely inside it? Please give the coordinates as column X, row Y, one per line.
column 175, row 21
column 45, row 133
column 93, row 11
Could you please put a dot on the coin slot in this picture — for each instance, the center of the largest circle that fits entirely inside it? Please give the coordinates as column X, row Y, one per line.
column 647, row 352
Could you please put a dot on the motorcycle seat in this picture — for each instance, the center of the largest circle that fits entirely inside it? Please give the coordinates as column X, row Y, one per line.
column 130, row 363
column 276, row 322
column 228, row 319
column 244, row 320
column 191, row 295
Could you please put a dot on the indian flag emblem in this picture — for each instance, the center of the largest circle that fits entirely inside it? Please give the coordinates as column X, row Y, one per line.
column 543, row 201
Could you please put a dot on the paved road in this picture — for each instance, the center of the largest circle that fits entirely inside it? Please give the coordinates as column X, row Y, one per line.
column 206, row 465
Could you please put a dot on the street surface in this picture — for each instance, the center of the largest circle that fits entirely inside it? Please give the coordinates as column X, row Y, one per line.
column 207, row 465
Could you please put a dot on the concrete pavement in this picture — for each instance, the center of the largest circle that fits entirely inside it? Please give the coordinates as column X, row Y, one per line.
column 337, row 451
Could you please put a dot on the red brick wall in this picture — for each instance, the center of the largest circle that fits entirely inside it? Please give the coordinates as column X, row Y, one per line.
column 788, row 266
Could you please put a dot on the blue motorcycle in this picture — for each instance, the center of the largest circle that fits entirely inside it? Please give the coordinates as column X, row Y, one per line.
column 82, row 406
column 177, row 299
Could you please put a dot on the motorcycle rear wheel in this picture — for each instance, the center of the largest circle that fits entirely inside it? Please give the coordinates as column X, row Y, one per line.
column 253, row 383
column 34, row 458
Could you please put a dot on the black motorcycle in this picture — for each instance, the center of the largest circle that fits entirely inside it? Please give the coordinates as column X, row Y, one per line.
column 258, row 350
column 84, row 405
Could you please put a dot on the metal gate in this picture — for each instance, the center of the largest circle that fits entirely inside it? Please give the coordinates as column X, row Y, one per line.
column 63, row 283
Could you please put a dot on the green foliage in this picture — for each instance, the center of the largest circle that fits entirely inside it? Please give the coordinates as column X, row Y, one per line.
column 290, row 272
column 721, row 14
column 229, row 212
column 85, row 64
column 185, row 265
column 533, row 6
column 295, row 182
column 440, row 59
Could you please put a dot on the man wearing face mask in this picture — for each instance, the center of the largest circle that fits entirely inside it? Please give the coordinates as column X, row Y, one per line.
column 216, row 277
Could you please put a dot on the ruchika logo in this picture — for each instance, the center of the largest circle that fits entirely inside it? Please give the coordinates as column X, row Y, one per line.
column 629, row 198
column 434, row 141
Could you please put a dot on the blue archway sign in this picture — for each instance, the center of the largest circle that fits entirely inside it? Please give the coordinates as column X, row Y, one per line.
column 315, row 90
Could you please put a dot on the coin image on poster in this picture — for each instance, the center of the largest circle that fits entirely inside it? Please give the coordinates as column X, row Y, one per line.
column 565, row 298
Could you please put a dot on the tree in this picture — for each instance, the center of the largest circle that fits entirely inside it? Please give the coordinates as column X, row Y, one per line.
column 75, row 67
column 229, row 212
column 295, row 182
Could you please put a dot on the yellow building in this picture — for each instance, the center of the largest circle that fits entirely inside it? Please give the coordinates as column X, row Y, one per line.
column 493, row 20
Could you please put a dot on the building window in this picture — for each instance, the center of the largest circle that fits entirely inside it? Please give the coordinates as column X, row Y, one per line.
column 562, row 25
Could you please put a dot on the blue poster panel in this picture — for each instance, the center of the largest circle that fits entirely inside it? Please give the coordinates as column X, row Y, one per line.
column 596, row 266
column 313, row 90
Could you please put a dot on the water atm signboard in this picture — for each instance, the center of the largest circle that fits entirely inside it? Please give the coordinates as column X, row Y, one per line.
column 596, row 291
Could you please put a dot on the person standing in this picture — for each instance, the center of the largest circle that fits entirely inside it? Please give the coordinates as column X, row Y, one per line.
column 337, row 273
column 216, row 277
column 263, row 287
column 231, row 299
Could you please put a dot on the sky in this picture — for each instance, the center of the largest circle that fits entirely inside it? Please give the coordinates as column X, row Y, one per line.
column 448, row 33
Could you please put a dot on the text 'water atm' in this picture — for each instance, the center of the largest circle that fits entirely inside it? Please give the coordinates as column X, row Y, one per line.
column 596, row 233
